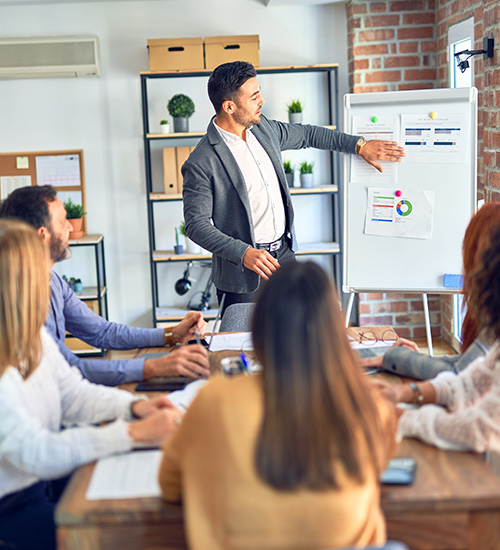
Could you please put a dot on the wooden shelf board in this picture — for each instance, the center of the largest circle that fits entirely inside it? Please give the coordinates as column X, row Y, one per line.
column 175, row 135
column 90, row 293
column 318, row 249
column 86, row 240
column 261, row 70
column 170, row 256
column 178, row 313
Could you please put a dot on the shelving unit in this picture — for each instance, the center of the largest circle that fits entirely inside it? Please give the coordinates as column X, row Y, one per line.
column 162, row 315
column 95, row 296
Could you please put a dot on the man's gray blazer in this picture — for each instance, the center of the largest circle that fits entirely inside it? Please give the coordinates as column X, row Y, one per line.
column 216, row 205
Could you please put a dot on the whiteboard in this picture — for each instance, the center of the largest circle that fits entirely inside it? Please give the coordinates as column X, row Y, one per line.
column 410, row 251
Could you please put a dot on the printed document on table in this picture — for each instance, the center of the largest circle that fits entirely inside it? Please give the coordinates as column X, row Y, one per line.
column 409, row 215
column 237, row 341
column 129, row 475
column 442, row 140
column 385, row 128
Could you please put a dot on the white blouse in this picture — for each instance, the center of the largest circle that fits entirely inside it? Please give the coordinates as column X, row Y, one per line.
column 472, row 418
column 45, row 430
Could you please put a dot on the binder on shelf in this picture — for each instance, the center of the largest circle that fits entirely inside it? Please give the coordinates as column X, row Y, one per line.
column 169, row 171
column 181, row 153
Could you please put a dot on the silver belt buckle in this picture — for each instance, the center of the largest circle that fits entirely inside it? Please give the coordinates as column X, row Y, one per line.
column 275, row 246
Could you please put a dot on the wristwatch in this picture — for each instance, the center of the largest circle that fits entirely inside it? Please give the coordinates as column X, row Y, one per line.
column 418, row 396
column 361, row 142
column 168, row 337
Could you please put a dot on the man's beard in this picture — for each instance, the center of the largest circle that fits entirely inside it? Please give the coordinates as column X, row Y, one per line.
column 58, row 251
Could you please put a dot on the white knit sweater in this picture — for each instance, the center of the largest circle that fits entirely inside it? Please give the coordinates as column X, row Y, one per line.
column 472, row 418
column 33, row 413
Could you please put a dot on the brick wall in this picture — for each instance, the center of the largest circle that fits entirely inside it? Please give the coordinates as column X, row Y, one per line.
column 402, row 45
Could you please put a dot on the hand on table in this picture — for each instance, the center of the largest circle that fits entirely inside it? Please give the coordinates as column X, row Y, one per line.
column 146, row 407
column 261, row 262
column 377, row 361
column 377, row 150
column 186, row 329
column 191, row 361
column 393, row 392
column 155, row 427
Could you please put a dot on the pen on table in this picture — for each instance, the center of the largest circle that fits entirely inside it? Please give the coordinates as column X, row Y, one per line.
column 244, row 360
column 197, row 336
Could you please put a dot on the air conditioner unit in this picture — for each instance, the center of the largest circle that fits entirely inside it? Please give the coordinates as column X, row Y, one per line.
column 49, row 57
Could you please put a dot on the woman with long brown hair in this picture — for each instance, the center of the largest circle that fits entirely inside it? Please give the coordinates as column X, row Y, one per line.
column 40, row 394
column 462, row 412
column 406, row 361
column 291, row 457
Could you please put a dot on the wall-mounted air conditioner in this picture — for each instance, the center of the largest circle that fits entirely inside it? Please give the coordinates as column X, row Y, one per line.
column 49, row 57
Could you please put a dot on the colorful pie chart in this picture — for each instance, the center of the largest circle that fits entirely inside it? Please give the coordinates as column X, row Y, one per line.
column 404, row 207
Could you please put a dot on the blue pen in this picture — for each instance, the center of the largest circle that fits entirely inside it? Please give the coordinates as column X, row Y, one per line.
column 244, row 360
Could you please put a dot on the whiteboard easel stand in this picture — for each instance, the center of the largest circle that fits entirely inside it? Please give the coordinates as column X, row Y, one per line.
column 426, row 316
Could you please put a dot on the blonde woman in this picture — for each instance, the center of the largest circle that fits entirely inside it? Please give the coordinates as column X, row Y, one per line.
column 47, row 410
column 289, row 458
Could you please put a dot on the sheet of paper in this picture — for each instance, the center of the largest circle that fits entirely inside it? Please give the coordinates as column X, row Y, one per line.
column 238, row 341
column 58, row 170
column 183, row 398
column 439, row 140
column 129, row 475
column 372, row 127
column 409, row 215
column 11, row 183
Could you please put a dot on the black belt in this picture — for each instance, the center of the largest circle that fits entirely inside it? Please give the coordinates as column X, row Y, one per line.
column 271, row 247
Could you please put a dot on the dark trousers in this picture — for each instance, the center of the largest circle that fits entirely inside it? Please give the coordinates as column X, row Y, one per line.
column 27, row 517
column 283, row 255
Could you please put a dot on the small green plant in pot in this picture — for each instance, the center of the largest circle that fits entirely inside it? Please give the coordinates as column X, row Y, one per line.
column 289, row 170
column 306, row 174
column 295, row 111
column 180, row 108
column 74, row 212
column 164, row 127
column 191, row 246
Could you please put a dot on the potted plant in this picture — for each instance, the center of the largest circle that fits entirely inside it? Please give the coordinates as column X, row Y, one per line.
column 74, row 213
column 164, row 127
column 180, row 108
column 306, row 174
column 289, row 169
column 178, row 248
column 295, row 111
column 191, row 246
column 75, row 284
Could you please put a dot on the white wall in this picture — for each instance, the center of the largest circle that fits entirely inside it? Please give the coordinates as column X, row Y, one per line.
column 102, row 115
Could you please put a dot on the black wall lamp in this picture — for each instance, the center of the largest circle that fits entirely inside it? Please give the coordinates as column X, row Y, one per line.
column 463, row 56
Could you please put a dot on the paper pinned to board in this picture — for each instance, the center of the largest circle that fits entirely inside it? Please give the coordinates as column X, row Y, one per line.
column 128, row 475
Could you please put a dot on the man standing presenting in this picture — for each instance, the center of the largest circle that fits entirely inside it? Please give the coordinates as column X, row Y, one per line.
column 236, row 201
column 39, row 207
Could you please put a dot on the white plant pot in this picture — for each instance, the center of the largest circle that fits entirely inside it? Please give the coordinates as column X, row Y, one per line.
column 307, row 180
column 164, row 128
column 192, row 247
column 294, row 118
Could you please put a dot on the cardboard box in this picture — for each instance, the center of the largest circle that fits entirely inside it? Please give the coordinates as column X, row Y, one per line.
column 172, row 54
column 182, row 154
column 224, row 49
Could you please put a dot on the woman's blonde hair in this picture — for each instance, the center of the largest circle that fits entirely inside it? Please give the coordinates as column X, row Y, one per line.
column 24, row 296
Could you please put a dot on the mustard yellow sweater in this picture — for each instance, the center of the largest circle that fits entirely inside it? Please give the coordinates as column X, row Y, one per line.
column 209, row 464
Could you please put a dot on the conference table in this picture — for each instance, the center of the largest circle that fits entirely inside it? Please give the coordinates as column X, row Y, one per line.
column 454, row 504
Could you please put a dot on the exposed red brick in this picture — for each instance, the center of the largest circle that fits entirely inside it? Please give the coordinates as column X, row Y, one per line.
column 408, row 47
column 356, row 9
column 494, row 179
column 365, row 309
column 403, row 332
column 420, row 74
column 383, row 76
column 381, row 21
column 428, row 46
column 378, row 7
column 401, row 61
column 427, row 18
column 376, row 49
column 375, row 320
column 376, row 63
column 369, row 89
column 417, row 86
column 406, row 5
column 412, row 33
column 376, row 36
column 361, row 64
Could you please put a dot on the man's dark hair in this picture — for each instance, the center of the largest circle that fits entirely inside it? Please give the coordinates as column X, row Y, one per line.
column 29, row 204
column 226, row 80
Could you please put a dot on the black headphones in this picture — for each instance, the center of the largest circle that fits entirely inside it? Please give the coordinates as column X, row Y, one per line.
column 184, row 284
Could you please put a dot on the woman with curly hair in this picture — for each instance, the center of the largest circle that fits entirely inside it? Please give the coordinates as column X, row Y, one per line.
column 472, row 399
column 404, row 359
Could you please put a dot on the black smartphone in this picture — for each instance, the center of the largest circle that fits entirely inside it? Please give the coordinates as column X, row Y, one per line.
column 202, row 341
column 399, row 471
column 164, row 384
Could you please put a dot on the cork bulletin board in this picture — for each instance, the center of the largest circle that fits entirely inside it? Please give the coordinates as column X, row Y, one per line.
column 62, row 169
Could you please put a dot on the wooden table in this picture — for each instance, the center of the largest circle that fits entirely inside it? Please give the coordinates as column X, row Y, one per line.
column 454, row 504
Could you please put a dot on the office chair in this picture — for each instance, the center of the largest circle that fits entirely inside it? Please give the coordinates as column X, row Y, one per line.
column 237, row 318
